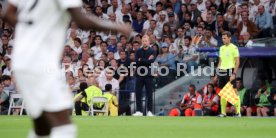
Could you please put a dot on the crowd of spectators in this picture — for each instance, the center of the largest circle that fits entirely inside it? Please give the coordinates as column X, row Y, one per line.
column 176, row 28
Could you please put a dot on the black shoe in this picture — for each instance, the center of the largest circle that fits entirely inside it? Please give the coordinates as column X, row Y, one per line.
column 221, row 115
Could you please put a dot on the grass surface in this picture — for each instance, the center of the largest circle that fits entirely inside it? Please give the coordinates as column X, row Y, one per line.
column 154, row 127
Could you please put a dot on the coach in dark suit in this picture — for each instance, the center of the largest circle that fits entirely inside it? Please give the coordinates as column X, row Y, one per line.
column 144, row 58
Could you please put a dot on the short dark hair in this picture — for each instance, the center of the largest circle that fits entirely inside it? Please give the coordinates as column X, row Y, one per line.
column 210, row 84
column 5, row 77
column 108, row 87
column 151, row 12
column 104, row 43
column 192, row 86
column 98, row 37
column 78, row 40
column 188, row 37
column 159, row 3
column 123, row 36
column 139, row 35
column 83, row 86
column 227, row 33
column 214, row 5
column 219, row 14
column 188, row 22
column 238, row 79
column 104, row 54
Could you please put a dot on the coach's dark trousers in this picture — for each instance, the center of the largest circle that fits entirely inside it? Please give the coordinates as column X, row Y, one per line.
column 142, row 81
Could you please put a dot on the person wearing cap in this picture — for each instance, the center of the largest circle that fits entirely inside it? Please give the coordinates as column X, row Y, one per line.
column 174, row 24
column 166, row 59
column 161, row 21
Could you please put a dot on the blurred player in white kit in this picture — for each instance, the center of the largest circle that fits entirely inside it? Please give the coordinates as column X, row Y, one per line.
column 40, row 35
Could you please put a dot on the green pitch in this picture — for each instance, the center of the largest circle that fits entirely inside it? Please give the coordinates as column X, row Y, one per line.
column 154, row 127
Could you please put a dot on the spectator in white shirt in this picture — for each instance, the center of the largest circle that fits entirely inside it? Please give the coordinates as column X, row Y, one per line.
column 153, row 29
column 7, row 71
column 149, row 16
column 77, row 45
column 97, row 48
column 123, row 12
column 85, row 59
column 161, row 21
column 107, row 78
column 113, row 8
column 119, row 49
column 103, row 50
column 66, row 66
column 73, row 32
column 9, row 51
column 100, row 14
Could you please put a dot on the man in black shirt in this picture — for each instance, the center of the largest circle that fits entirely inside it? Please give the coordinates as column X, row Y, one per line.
column 144, row 57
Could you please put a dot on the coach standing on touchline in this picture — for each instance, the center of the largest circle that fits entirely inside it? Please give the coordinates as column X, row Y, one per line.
column 229, row 61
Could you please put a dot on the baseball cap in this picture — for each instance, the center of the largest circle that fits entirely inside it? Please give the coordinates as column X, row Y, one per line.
column 164, row 45
column 193, row 3
column 171, row 14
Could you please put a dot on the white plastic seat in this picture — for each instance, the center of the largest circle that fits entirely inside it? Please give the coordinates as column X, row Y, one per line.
column 97, row 100
column 13, row 105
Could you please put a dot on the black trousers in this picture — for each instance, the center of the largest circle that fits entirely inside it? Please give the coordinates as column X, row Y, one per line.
column 224, row 77
column 80, row 106
column 124, row 101
column 146, row 81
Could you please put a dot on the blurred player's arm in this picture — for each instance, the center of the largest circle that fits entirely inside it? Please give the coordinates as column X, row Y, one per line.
column 93, row 22
column 10, row 14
